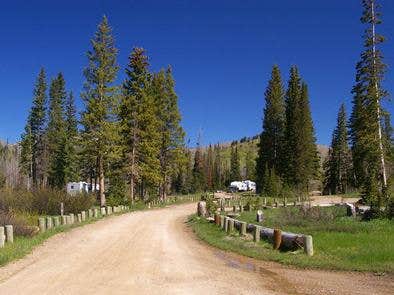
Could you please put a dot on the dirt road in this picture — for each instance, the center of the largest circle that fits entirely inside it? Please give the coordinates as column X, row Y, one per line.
column 154, row 252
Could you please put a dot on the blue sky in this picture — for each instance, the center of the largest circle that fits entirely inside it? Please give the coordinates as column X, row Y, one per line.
column 221, row 53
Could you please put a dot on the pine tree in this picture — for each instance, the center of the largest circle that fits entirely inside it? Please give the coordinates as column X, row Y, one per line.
column 217, row 168
column 171, row 132
column 292, row 102
column 235, row 170
column 338, row 166
column 33, row 140
column 307, row 158
column 71, row 125
column 369, row 157
column 26, row 161
column 209, row 168
column 139, row 124
column 56, row 133
column 271, row 146
column 300, row 143
column 272, row 183
column 198, row 169
column 250, row 165
column 98, row 118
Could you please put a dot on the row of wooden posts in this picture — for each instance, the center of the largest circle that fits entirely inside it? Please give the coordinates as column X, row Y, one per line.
column 49, row 222
column 6, row 235
column 159, row 202
column 275, row 236
column 240, row 207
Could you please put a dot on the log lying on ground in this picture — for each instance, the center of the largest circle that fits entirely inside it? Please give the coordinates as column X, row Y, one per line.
column 289, row 240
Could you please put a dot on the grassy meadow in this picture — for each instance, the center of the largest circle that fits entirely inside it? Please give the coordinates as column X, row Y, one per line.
column 340, row 242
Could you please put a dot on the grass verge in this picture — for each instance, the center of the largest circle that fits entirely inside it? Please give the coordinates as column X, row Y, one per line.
column 342, row 245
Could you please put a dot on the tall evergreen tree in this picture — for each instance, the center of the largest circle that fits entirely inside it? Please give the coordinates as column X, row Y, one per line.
column 369, row 158
column 198, row 168
column 338, row 166
column 26, row 161
column 33, row 140
column 56, row 133
column 307, row 158
column 217, row 168
column 71, row 127
column 209, row 168
column 292, row 102
column 171, row 132
column 300, row 143
column 250, row 165
column 139, row 124
column 98, row 119
column 235, row 169
column 271, row 146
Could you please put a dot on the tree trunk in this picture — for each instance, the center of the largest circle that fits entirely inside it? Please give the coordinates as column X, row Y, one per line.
column 132, row 188
column 101, row 180
column 382, row 160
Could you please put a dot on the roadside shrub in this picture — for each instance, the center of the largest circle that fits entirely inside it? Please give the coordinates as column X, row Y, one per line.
column 302, row 216
column 44, row 201
column 19, row 200
column 19, row 223
column 212, row 206
column 78, row 203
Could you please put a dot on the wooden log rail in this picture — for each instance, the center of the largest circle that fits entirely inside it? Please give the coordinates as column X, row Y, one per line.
column 289, row 241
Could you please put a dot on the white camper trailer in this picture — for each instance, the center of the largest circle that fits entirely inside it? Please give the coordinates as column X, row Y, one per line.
column 238, row 186
column 242, row 186
column 251, row 185
column 74, row 188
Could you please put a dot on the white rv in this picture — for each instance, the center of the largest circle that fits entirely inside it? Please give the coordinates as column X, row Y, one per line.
column 238, row 186
column 242, row 186
column 74, row 188
column 251, row 185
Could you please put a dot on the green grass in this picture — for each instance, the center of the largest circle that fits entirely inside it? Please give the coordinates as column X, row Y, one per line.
column 340, row 244
column 24, row 245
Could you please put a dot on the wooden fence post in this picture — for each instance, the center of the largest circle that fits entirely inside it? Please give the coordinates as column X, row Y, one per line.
column 64, row 220
column 2, row 237
column 230, row 227
column 41, row 224
column 226, row 223
column 95, row 213
column 256, row 233
column 308, row 245
column 79, row 217
column 277, row 238
column 222, row 221
column 49, row 222
column 72, row 218
column 217, row 219
column 102, row 211
column 56, row 221
column 243, row 229
column 83, row 215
